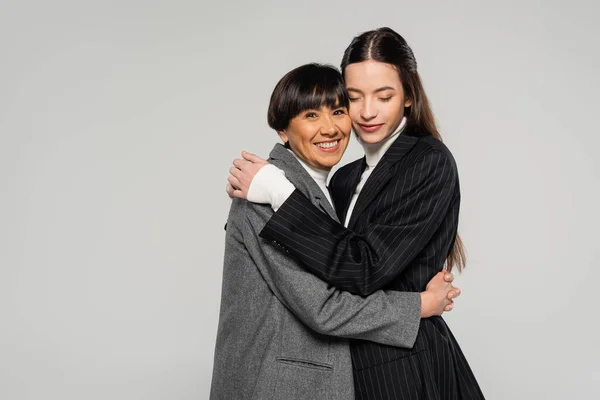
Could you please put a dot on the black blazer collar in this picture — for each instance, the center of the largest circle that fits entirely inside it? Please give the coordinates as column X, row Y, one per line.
column 382, row 172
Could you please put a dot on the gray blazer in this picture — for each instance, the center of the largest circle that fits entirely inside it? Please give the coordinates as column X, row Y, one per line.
column 282, row 331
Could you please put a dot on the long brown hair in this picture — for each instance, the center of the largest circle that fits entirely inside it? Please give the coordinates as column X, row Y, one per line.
column 387, row 46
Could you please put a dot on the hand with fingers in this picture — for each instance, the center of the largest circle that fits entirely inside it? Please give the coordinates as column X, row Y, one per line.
column 439, row 295
column 241, row 174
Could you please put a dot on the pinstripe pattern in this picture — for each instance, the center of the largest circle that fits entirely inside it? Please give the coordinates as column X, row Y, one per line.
column 400, row 233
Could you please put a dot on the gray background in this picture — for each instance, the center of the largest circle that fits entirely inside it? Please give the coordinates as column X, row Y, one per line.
column 119, row 120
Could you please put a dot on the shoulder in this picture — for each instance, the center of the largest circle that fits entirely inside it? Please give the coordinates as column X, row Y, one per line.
column 430, row 150
column 244, row 215
column 429, row 146
column 429, row 160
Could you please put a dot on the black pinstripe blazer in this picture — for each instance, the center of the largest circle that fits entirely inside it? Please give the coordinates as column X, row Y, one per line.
column 400, row 232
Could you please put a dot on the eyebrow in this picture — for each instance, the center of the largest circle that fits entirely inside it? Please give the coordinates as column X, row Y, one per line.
column 381, row 89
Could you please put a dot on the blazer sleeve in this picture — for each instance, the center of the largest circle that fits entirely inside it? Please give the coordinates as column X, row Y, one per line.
column 419, row 198
column 387, row 317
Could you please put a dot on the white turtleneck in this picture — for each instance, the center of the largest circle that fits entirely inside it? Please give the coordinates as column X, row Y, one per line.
column 373, row 153
column 318, row 175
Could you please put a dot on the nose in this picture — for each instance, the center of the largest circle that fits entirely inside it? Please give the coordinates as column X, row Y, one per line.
column 328, row 127
column 368, row 110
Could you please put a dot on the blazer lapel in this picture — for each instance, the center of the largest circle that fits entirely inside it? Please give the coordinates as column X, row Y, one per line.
column 284, row 159
column 381, row 174
column 326, row 206
column 345, row 186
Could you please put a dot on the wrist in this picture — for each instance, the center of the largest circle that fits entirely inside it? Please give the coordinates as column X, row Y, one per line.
column 427, row 309
column 284, row 190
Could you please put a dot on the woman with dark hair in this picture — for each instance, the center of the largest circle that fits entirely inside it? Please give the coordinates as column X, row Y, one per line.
column 282, row 330
column 399, row 209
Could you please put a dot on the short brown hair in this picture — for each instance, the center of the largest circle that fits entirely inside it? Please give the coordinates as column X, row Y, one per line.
column 307, row 87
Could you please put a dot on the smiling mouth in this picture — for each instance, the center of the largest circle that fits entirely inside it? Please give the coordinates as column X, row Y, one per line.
column 328, row 146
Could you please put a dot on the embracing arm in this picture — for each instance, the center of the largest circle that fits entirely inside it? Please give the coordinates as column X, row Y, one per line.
column 365, row 263
column 387, row 317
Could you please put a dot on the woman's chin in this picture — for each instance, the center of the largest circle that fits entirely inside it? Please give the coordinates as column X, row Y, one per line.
column 370, row 138
column 326, row 163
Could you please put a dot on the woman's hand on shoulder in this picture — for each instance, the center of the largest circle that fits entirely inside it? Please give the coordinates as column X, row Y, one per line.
column 242, row 173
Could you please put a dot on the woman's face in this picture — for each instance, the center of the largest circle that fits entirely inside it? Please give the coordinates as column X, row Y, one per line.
column 377, row 99
column 319, row 137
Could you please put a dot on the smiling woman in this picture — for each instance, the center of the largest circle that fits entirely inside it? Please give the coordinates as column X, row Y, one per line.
column 312, row 120
column 378, row 100
column 319, row 137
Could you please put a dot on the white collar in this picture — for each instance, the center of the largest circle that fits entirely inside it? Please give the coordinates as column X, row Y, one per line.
column 375, row 151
